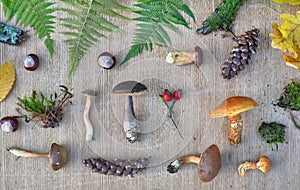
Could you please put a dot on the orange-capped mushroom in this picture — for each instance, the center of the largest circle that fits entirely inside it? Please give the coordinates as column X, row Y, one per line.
column 233, row 107
column 263, row 164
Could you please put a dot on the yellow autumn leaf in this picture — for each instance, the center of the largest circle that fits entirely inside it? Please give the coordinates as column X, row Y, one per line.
column 290, row 29
column 293, row 2
column 291, row 61
column 7, row 79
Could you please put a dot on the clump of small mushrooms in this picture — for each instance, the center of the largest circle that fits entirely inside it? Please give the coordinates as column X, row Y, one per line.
column 233, row 107
column 186, row 58
column 263, row 164
column 209, row 163
column 57, row 155
column 130, row 89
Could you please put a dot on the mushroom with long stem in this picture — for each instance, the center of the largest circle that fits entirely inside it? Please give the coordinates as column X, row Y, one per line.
column 130, row 89
column 233, row 107
column 57, row 155
column 185, row 58
column 209, row 163
column 89, row 94
column 263, row 164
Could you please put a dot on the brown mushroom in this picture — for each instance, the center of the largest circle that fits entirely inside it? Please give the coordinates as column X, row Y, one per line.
column 130, row 88
column 57, row 155
column 184, row 58
column 209, row 163
column 89, row 94
column 233, row 107
column 263, row 164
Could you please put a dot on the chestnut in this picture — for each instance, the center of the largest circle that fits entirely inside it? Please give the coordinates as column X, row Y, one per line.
column 9, row 124
column 31, row 62
column 106, row 60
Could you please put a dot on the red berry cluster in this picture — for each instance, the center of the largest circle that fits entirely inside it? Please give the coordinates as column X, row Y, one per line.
column 168, row 96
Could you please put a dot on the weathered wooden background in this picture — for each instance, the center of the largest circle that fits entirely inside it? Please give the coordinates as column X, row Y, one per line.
column 203, row 90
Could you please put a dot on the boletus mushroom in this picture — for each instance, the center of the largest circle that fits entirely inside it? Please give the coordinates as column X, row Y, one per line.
column 57, row 155
column 263, row 164
column 130, row 89
column 89, row 94
column 209, row 163
column 185, row 58
column 233, row 107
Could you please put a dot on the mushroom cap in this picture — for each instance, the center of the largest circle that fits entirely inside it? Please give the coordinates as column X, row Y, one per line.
column 198, row 56
column 89, row 93
column 233, row 106
column 129, row 88
column 210, row 163
column 264, row 164
column 58, row 156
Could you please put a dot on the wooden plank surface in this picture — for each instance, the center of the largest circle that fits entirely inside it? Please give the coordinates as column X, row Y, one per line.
column 203, row 90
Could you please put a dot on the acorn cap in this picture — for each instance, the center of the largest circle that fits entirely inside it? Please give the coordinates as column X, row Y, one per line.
column 210, row 163
column 129, row 88
column 58, row 156
column 198, row 56
column 89, row 93
column 233, row 106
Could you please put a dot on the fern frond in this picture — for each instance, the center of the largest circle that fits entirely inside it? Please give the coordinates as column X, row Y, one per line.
column 36, row 14
column 88, row 25
column 155, row 15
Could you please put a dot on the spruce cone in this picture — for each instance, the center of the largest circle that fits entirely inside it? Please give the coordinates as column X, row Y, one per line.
column 241, row 53
column 117, row 168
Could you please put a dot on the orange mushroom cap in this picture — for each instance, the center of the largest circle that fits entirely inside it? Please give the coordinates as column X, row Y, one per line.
column 233, row 106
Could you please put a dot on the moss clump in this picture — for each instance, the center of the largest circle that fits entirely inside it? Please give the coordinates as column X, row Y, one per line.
column 273, row 133
column 290, row 98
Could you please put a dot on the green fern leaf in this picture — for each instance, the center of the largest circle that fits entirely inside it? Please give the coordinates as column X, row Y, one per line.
column 36, row 14
column 88, row 26
column 156, row 15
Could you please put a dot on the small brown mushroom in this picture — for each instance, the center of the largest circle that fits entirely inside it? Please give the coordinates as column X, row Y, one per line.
column 209, row 163
column 263, row 164
column 130, row 88
column 184, row 58
column 106, row 60
column 57, row 155
column 233, row 107
column 89, row 94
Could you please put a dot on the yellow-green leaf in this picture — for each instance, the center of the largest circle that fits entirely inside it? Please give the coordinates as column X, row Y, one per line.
column 290, row 29
column 7, row 79
column 292, row 2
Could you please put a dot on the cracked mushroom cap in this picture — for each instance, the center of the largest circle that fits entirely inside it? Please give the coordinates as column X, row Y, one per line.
column 233, row 106
column 129, row 88
column 58, row 156
column 210, row 163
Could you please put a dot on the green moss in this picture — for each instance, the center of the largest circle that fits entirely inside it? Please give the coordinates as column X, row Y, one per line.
column 222, row 17
column 290, row 98
column 273, row 133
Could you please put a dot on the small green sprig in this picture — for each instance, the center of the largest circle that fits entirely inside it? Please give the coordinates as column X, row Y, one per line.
column 290, row 98
column 273, row 133
column 222, row 17
column 47, row 112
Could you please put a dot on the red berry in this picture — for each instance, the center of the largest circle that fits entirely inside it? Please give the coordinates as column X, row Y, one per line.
column 178, row 94
column 167, row 95
column 31, row 62
column 9, row 124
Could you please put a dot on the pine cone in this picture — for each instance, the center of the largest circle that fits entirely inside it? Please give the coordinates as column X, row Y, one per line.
column 117, row 168
column 241, row 53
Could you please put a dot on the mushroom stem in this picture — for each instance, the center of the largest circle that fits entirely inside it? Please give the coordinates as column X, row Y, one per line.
column 87, row 121
column 28, row 154
column 130, row 126
column 264, row 165
column 180, row 58
column 235, row 131
column 174, row 166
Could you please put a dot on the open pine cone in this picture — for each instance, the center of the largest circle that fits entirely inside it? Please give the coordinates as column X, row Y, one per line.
column 241, row 53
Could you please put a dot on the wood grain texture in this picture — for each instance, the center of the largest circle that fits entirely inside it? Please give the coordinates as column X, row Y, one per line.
column 203, row 90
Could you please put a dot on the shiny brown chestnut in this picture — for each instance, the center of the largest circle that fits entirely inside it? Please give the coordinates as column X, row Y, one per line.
column 106, row 60
column 31, row 62
column 9, row 124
